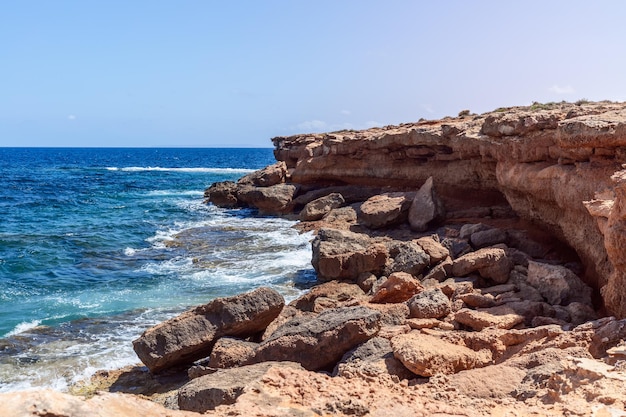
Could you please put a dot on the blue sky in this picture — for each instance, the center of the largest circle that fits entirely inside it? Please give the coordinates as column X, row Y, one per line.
column 236, row 73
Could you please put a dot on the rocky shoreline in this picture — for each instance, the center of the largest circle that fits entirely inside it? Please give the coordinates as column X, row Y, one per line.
column 466, row 266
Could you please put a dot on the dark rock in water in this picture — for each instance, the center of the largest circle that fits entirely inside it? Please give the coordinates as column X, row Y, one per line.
column 339, row 254
column 191, row 335
column 222, row 194
column 222, row 387
column 319, row 342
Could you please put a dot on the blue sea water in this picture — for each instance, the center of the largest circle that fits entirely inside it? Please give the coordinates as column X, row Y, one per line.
column 96, row 245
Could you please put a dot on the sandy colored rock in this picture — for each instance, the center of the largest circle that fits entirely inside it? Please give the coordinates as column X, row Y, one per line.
column 490, row 263
column 229, row 352
column 427, row 355
column 501, row 317
column 498, row 381
column 266, row 177
column 384, row 210
column 191, row 335
column 331, row 294
column 320, row 207
column 435, row 250
column 398, row 287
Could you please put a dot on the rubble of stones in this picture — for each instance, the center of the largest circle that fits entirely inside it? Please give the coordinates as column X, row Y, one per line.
column 437, row 298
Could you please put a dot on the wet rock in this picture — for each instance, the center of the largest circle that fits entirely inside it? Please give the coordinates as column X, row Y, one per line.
column 319, row 342
column 406, row 257
column 372, row 359
column 266, row 177
column 430, row 303
column 339, row 254
column 557, row 284
column 222, row 194
column 490, row 263
column 385, row 210
column 426, row 355
column 222, row 387
column 320, row 207
column 397, row 288
column 426, row 207
column 191, row 335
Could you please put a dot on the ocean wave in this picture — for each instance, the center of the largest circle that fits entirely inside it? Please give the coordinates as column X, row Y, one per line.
column 23, row 327
column 192, row 170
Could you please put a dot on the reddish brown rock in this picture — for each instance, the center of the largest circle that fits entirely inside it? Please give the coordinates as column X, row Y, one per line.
column 435, row 250
column 222, row 194
column 341, row 254
column 385, row 210
column 266, row 177
column 501, row 317
column 230, row 352
column 490, row 263
column 320, row 207
column 430, row 303
column 332, row 294
column 397, row 288
column 191, row 335
column 270, row 200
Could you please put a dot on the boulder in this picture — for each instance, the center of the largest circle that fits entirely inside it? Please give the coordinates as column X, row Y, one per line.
column 406, row 257
column 266, row 177
column 340, row 254
column 191, row 335
column 430, row 303
column 222, row 194
column 557, row 284
column 397, row 288
column 384, row 210
column 500, row 317
column 332, row 294
column 492, row 263
column 270, row 200
column 371, row 359
column 320, row 207
column 426, row 355
column 222, row 387
column 229, row 352
column 425, row 207
column 435, row 250
column 320, row 342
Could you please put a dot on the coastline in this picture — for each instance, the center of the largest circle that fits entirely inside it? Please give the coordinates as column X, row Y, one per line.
column 464, row 306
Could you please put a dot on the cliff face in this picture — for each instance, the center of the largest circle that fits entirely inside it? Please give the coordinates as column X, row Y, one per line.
column 559, row 165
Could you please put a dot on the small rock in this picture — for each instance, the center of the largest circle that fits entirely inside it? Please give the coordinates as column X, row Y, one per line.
column 330, row 294
column 477, row 300
column 266, row 177
column 501, row 317
column 222, row 194
column 426, row 355
column 435, row 250
column 320, row 207
column 366, row 281
column 488, row 238
column 490, row 263
column 406, row 257
column 229, row 352
column 431, row 303
column 467, row 230
column 398, row 288
column 426, row 207
column 269, row 200
column 372, row 359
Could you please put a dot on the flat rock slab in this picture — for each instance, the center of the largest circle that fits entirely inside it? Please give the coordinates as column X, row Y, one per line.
column 191, row 335
column 426, row 355
column 500, row 317
column 320, row 342
column 223, row 387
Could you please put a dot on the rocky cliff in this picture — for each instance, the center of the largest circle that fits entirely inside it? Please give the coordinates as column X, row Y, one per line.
column 557, row 165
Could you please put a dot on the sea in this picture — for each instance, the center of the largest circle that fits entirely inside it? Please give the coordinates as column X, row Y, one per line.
column 99, row 244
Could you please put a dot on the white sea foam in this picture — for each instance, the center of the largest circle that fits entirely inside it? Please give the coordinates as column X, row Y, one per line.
column 23, row 327
column 129, row 251
column 190, row 170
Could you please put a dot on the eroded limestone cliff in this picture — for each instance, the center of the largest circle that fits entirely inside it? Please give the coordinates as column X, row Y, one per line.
column 559, row 165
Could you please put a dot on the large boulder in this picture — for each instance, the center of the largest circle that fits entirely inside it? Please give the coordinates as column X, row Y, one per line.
column 425, row 207
column 320, row 207
column 397, row 288
column 270, row 200
column 492, row 263
column 222, row 194
column 320, row 342
column 222, row 387
column 339, row 254
column 557, row 284
column 266, row 177
column 191, row 335
column 385, row 210
column 426, row 355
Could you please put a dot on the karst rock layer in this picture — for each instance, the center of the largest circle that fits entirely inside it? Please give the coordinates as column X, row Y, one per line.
column 559, row 165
